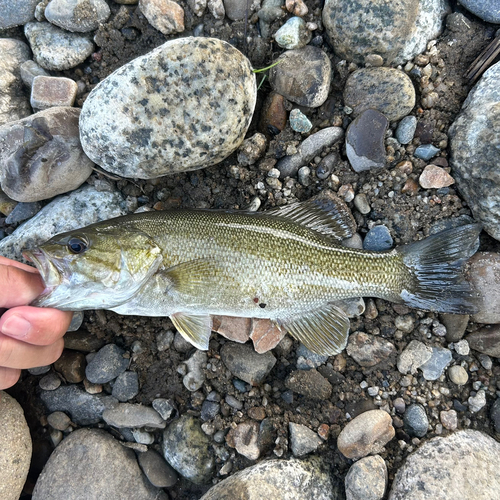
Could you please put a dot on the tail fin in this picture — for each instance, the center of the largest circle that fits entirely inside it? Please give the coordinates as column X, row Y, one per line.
column 436, row 268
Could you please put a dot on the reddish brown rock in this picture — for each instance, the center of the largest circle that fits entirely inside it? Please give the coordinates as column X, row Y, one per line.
column 434, row 177
column 233, row 328
column 265, row 335
column 273, row 114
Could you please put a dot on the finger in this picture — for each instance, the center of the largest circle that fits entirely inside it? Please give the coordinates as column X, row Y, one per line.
column 8, row 377
column 8, row 262
column 19, row 287
column 35, row 325
column 17, row 354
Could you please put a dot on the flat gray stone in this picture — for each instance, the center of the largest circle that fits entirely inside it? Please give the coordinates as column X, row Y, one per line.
column 15, row 448
column 90, row 463
column 462, row 465
column 157, row 470
column 128, row 415
column 183, row 106
column 303, row 440
column 106, row 365
column 16, row 13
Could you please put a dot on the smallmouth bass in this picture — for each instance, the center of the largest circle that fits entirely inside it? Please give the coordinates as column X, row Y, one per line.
column 286, row 264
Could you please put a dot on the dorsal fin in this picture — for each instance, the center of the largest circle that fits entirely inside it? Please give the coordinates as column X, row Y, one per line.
column 327, row 214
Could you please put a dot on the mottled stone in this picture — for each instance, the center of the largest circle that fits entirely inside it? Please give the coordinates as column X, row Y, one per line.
column 195, row 377
column 434, row 367
column 415, row 420
column 299, row 121
column 163, row 126
column 188, row 449
column 378, row 239
column 303, row 76
column 265, row 335
column 293, row 34
column 367, row 479
column 414, row 355
column 14, row 105
column 90, row 463
column 16, row 13
column 369, row 350
column 303, row 440
column 59, row 420
column 166, row 16
column 80, row 208
column 126, row 386
column 475, row 151
column 387, row 90
column 309, row 383
column 406, row 129
column 252, row 149
column 434, row 177
column 77, row 15
column 71, row 365
column 233, row 328
column 273, row 115
column 245, row 439
column 366, row 434
column 15, row 448
column 396, row 30
column 461, row 465
column 56, row 49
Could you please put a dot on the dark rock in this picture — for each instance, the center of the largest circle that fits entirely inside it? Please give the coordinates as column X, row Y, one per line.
column 126, row 386
column 71, row 365
column 495, row 415
column 309, row 383
column 106, row 365
column 415, row 420
column 486, row 340
column 159, row 472
column 82, row 341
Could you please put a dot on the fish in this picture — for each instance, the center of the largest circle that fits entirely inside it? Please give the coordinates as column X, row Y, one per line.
column 286, row 264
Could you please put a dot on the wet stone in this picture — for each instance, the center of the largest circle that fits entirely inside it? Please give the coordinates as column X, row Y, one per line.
column 127, row 415
column 243, row 362
column 126, row 386
column 39, row 370
column 299, row 121
column 369, row 350
column 406, row 129
column 159, row 472
column 188, row 450
column 366, row 434
column 310, row 384
column 77, row 15
column 303, row 440
column 56, row 49
column 378, row 238
column 22, row 212
column 433, row 368
column 138, row 145
column 458, row 375
column 415, row 420
column 367, row 479
column 293, row 34
column 106, row 365
column 426, row 152
column 71, row 365
column 365, row 141
column 50, row 91
column 303, row 76
column 386, row 90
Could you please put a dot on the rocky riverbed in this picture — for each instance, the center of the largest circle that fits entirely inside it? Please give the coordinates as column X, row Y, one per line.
column 111, row 108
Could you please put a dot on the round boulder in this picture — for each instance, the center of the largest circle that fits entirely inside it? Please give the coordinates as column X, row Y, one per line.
column 185, row 105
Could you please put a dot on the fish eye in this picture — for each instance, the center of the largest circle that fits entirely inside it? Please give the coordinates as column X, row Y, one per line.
column 77, row 245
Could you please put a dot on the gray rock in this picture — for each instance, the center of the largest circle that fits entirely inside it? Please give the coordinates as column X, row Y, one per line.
column 413, row 356
column 365, row 141
column 77, row 15
column 367, row 479
column 22, row 212
column 14, row 104
column 415, row 420
column 477, row 402
column 426, row 152
column 246, row 364
column 50, row 382
column 82, row 340
column 195, row 377
column 406, row 129
column 106, row 365
column 84, row 408
column 378, row 239
column 307, row 359
column 434, row 367
column 90, row 463
column 303, row 440
column 52, row 91
column 362, row 204
column 487, row 10
column 369, row 350
column 59, row 420
column 495, row 415
column 387, row 90
column 56, row 49
column 141, row 131
column 159, row 472
column 165, row 407
column 29, row 70
column 188, row 449
column 128, row 415
column 236, row 10
column 126, row 386
column 475, row 151
column 293, row 34
column 252, row 149
column 308, row 479
column 486, row 340
column 270, row 11
column 397, row 31
column 484, row 274
column 16, row 13
column 367, row 434
column 455, row 325
column 42, row 156
column 209, row 410
column 303, row 76
column 458, row 375
column 326, row 165
column 461, row 465
column 15, row 448
column 309, row 383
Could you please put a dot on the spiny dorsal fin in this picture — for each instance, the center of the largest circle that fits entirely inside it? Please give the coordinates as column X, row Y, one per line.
column 327, row 215
column 324, row 331
column 195, row 328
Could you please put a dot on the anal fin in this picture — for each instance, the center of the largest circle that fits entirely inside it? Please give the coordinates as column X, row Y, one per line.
column 323, row 331
column 195, row 328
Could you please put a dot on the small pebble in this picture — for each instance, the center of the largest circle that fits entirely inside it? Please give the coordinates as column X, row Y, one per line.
column 462, row 347
column 415, row 420
column 378, row 239
column 126, row 386
column 458, row 375
column 449, row 419
column 304, row 176
column 477, row 402
column 361, row 203
column 59, row 420
column 156, row 469
column 299, row 121
column 434, row 177
column 165, row 407
column 294, row 34
column 426, row 152
column 367, row 479
column 433, row 368
column 303, row 440
column 406, row 129
column 50, row 382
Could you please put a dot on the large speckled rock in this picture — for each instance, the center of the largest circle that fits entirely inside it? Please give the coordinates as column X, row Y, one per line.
column 462, row 465
column 388, row 90
column 396, row 30
column 475, row 151
column 15, row 448
column 41, row 155
column 185, row 105
column 280, row 480
column 80, row 208
column 90, row 463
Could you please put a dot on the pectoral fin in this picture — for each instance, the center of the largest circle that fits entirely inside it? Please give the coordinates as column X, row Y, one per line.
column 196, row 329
column 323, row 331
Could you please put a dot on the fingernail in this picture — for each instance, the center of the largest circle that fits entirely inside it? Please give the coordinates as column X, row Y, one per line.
column 15, row 326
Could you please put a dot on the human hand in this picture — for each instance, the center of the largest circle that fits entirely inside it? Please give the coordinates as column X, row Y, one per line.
column 29, row 336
